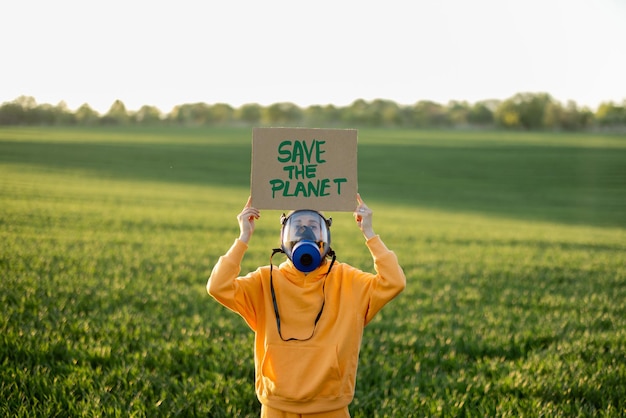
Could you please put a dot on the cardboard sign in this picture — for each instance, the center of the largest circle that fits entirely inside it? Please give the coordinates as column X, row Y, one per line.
column 300, row 168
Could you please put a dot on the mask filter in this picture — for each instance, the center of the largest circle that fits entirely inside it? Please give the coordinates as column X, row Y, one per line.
column 306, row 256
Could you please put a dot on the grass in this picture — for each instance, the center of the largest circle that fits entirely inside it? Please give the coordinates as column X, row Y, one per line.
column 514, row 246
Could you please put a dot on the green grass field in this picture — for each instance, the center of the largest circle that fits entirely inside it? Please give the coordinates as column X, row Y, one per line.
column 514, row 246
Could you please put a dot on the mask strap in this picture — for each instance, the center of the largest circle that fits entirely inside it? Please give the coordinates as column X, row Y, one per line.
column 317, row 318
column 332, row 254
column 274, row 251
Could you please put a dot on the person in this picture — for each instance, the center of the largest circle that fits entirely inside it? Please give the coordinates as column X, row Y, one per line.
column 308, row 313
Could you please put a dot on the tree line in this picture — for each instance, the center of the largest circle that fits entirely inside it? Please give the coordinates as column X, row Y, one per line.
column 523, row 111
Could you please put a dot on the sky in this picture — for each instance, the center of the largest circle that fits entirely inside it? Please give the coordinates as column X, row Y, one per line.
column 167, row 53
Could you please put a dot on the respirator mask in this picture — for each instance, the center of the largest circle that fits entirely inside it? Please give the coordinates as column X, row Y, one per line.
column 305, row 238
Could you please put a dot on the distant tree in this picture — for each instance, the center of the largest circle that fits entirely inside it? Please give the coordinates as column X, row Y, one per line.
column 458, row 113
column 586, row 117
column 117, row 114
column 180, row 114
column 372, row 113
column 317, row 115
column 610, row 114
column 85, row 115
column 148, row 115
column 283, row 113
column 12, row 113
column 191, row 114
column 568, row 117
column 355, row 113
column 44, row 114
column 221, row 114
column 332, row 114
column 530, row 109
column 427, row 113
column 384, row 113
column 249, row 113
column 63, row 115
column 20, row 111
column 481, row 113
column 553, row 115
column 26, row 102
column 507, row 115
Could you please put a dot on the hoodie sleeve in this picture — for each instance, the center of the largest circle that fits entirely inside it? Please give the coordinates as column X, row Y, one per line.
column 388, row 281
column 238, row 294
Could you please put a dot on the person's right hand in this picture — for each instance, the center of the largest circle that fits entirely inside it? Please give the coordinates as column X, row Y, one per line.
column 363, row 217
column 246, row 221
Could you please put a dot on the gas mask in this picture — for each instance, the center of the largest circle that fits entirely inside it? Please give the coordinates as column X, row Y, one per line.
column 305, row 238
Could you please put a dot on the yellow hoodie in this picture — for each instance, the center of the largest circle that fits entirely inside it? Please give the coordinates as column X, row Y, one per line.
column 318, row 374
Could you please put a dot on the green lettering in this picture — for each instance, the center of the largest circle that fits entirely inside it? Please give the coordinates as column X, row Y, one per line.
column 300, row 189
column 277, row 184
column 325, row 184
column 319, row 152
column 297, row 152
column 338, row 182
column 310, row 171
column 284, row 152
column 308, row 151
column 289, row 169
column 286, row 191
column 314, row 188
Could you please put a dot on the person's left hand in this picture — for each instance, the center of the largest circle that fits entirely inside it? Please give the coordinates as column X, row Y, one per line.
column 363, row 217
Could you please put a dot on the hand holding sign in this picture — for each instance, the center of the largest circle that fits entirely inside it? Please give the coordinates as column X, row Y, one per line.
column 363, row 217
column 246, row 221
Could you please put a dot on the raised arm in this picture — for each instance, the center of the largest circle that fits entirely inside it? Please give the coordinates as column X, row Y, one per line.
column 221, row 283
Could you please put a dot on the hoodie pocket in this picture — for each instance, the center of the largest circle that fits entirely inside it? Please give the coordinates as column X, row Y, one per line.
column 301, row 373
